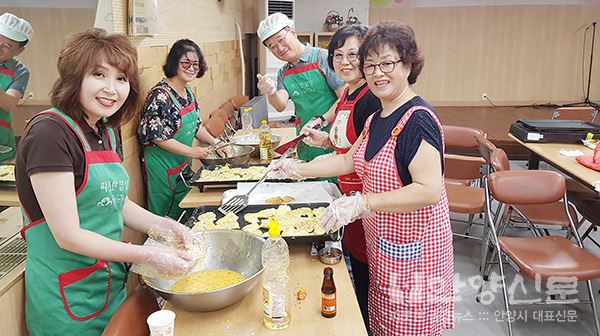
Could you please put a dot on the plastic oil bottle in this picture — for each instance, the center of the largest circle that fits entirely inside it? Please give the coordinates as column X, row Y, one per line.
column 276, row 291
column 247, row 119
column 265, row 145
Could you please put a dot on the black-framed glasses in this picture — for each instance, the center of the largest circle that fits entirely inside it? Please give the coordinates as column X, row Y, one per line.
column 350, row 57
column 186, row 65
column 279, row 42
column 385, row 67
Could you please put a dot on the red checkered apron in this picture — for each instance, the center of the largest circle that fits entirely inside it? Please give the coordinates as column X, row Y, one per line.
column 343, row 136
column 410, row 254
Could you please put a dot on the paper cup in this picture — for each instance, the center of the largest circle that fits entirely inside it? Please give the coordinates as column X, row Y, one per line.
column 161, row 323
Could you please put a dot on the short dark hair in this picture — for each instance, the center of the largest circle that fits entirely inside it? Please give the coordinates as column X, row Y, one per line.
column 82, row 53
column 398, row 36
column 341, row 35
column 180, row 48
column 23, row 43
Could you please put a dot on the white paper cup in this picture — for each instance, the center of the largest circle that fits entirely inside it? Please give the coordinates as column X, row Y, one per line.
column 161, row 323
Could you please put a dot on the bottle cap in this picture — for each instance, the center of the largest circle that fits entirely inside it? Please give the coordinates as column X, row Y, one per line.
column 248, row 109
column 590, row 136
column 264, row 122
column 273, row 227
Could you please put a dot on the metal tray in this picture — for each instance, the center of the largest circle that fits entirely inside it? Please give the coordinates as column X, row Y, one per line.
column 193, row 180
column 256, row 208
column 8, row 184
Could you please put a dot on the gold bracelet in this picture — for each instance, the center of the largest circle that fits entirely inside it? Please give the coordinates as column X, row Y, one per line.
column 368, row 202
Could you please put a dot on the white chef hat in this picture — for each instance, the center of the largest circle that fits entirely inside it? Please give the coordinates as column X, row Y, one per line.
column 273, row 24
column 15, row 28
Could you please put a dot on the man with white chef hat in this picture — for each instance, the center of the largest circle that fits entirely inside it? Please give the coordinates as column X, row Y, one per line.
column 15, row 33
column 306, row 78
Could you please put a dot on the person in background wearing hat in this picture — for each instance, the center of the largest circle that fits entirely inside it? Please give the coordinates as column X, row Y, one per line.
column 306, row 79
column 14, row 76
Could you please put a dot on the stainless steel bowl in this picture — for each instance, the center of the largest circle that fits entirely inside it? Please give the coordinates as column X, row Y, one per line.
column 234, row 250
column 253, row 140
column 238, row 155
column 330, row 255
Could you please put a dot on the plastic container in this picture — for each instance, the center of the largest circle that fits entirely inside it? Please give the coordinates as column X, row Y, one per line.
column 276, row 281
column 265, row 146
column 247, row 119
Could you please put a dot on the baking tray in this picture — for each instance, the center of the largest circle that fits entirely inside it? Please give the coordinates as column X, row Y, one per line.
column 8, row 184
column 193, row 180
column 256, row 208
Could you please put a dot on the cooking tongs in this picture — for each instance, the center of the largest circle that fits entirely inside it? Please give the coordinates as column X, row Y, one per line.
column 239, row 202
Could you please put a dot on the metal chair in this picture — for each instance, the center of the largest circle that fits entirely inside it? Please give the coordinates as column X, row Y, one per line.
column 215, row 125
column 130, row 317
column 537, row 258
column 585, row 113
column 238, row 101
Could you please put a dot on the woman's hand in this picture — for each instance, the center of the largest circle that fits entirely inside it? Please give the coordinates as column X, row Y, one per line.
column 168, row 261
column 172, row 233
column 344, row 210
column 316, row 138
column 284, row 169
column 199, row 152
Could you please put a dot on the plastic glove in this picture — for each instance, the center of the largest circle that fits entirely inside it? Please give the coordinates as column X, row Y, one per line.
column 168, row 262
column 265, row 84
column 317, row 138
column 173, row 233
column 284, row 169
column 342, row 211
column 314, row 123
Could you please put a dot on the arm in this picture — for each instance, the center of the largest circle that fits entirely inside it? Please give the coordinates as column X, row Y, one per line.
column 179, row 148
column 279, row 99
column 337, row 165
column 9, row 99
column 203, row 136
column 425, row 190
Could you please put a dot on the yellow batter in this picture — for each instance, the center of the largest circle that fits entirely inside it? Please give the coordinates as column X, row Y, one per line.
column 205, row 281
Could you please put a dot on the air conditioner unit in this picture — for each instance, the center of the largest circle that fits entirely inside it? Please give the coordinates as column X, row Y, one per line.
column 269, row 65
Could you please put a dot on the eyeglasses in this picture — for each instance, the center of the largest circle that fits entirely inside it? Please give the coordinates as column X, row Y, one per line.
column 385, row 67
column 186, row 65
column 350, row 57
column 279, row 42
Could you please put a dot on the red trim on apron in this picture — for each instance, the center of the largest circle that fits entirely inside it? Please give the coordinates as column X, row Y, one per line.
column 30, row 225
column 189, row 108
column 5, row 124
column 105, row 156
column 176, row 170
column 9, row 72
column 66, row 279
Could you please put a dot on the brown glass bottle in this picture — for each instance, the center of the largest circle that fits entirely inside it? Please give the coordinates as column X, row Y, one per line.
column 328, row 296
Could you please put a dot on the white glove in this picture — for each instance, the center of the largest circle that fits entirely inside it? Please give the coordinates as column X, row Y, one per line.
column 265, row 85
column 342, row 211
column 172, row 233
column 316, row 138
column 314, row 123
column 167, row 261
column 284, row 169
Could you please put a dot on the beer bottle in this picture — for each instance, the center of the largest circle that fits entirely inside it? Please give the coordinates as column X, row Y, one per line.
column 328, row 297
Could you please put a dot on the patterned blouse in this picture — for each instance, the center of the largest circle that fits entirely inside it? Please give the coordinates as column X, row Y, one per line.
column 161, row 117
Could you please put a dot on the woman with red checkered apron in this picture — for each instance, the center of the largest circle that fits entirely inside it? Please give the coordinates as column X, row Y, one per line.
column 399, row 158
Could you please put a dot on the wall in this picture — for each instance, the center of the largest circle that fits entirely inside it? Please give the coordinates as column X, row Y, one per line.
column 310, row 14
column 515, row 54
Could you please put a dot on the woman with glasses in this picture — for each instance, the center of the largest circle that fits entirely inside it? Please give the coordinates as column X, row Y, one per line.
column 352, row 110
column 169, row 125
column 399, row 159
column 306, row 78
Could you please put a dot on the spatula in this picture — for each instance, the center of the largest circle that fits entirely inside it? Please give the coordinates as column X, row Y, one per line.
column 239, row 202
column 294, row 142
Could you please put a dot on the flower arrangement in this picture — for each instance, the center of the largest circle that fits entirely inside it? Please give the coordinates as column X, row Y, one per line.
column 333, row 20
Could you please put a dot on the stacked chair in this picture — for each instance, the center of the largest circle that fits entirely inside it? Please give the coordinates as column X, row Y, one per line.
column 540, row 258
column 130, row 317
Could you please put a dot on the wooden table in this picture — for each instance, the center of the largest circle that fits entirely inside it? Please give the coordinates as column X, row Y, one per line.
column 549, row 152
column 245, row 317
column 8, row 197
column 214, row 195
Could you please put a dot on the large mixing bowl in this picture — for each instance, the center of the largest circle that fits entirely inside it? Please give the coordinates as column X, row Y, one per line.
column 234, row 250
column 253, row 140
column 236, row 155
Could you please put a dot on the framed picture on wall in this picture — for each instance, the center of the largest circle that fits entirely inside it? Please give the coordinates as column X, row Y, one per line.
column 142, row 18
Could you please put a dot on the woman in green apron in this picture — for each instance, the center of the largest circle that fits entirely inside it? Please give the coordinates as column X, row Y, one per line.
column 306, row 78
column 73, row 193
column 15, row 33
column 170, row 123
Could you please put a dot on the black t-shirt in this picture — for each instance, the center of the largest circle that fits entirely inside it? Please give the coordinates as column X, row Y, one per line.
column 367, row 105
column 420, row 126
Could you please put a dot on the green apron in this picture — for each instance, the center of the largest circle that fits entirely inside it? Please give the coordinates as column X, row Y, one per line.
column 165, row 189
column 312, row 97
column 7, row 133
column 67, row 293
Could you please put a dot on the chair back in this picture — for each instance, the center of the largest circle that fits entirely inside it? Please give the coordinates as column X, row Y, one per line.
column 585, row 113
column 130, row 317
column 499, row 160
column 461, row 137
column 486, row 147
column 526, row 187
column 238, row 101
column 215, row 126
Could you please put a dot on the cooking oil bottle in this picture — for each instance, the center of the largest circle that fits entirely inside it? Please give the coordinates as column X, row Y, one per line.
column 265, row 145
column 276, row 291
